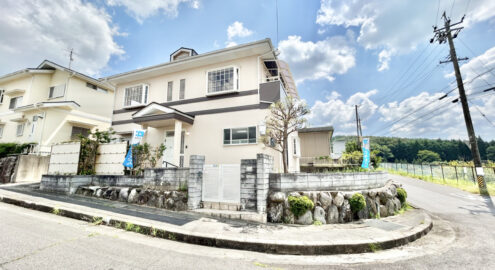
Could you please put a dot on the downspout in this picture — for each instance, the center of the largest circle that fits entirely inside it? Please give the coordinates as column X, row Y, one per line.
column 66, row 94
column 42, row 128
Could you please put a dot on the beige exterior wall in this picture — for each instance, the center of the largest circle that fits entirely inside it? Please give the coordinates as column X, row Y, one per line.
column 56, row 125
column 205, row 135
column 195, row 81
column 315, row 144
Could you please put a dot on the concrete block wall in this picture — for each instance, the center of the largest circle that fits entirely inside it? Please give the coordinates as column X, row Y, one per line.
column 327, row 181
column 166, row 178
column 264, row 165
column 248, row 184
column 195, row 181
column 64, row 183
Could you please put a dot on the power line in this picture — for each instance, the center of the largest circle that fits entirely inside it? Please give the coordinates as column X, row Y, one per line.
column 452, row 8
column 482, row 114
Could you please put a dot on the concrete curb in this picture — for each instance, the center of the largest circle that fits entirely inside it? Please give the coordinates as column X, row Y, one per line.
column 245, row 244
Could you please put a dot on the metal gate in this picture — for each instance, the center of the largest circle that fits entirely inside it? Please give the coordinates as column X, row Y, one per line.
column 222, row 183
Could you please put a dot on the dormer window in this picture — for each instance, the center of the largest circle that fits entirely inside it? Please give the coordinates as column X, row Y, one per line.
column 182, row 53
column 223, row 80
column 136, row 95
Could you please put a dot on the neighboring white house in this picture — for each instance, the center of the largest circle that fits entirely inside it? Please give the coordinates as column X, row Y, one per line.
column 212, row 104
column 51, row 104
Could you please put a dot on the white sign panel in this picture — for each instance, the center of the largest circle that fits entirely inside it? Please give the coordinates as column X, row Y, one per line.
column 137, row 136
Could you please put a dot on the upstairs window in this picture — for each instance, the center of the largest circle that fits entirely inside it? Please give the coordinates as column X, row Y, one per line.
column 1, row 130
column 170, row 87
column 57, row 91
column 233, row 136
column 136, row 95
column 226, row 79
column 182, row 91
column 15, row 102
column 20, row 129
column 1, row 95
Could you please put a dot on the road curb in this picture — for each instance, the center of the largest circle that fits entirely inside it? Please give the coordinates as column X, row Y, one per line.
column 258, row 246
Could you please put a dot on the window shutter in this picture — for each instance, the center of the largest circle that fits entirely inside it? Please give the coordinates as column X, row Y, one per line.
column 182, row 89
column 12, row 103
column 169, row 91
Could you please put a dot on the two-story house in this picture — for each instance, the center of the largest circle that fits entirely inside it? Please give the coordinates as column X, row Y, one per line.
column 212, row 104
column 51, row 104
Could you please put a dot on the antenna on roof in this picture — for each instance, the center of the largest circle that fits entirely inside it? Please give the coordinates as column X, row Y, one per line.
column 276, row 10
column 71, row 53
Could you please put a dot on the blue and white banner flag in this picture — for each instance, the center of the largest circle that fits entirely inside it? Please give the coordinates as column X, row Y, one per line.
column 366, row 153
column 128, row 159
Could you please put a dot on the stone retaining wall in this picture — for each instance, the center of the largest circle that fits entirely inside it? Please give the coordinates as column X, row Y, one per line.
column 333, row 206
column 327, row 181
column 157, row 179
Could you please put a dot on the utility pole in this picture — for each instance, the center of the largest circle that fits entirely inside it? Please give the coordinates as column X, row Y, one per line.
column 444, row 35
column 358, row 127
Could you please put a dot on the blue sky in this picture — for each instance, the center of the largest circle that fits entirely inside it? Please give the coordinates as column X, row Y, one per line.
column 373, row 53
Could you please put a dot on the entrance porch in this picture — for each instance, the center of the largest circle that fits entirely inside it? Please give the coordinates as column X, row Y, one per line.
column 168, row 126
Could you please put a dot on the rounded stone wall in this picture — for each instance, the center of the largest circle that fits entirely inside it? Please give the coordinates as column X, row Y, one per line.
column 333, row 206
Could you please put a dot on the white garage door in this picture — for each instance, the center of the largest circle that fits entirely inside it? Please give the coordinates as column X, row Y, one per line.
column 222, row 183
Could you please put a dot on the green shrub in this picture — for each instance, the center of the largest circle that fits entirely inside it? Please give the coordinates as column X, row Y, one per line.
column 12, row 148
column 299, row 205
column 357, row 202
column 402, row 195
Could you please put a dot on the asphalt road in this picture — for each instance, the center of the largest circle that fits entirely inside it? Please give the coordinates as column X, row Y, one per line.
column 35, row 240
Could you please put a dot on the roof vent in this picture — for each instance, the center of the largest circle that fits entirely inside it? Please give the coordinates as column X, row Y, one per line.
column 182, row 53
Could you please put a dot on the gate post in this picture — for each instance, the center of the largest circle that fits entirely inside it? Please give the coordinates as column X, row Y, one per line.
column 263, row 168
column 195, row 181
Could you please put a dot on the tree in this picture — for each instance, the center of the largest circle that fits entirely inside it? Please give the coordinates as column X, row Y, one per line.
column 285, row 118
column 490, row 153
column 427, row 156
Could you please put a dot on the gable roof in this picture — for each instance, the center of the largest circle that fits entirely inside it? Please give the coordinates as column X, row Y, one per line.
column 261, row 47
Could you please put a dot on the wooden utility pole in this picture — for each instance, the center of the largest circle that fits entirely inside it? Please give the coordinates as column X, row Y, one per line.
column 444, row 35
column 358, row 127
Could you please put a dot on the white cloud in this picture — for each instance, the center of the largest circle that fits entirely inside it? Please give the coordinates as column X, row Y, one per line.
column 310, row 60
column 230, row 44
column 141, row 10
column 438, row 119
column 32, row 31
column 237, row 29
column 473, row 70
column 341, row 113
column 384, row 58
column 397, row 25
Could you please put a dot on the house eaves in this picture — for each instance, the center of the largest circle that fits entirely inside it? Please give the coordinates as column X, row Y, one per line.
column 261, row 47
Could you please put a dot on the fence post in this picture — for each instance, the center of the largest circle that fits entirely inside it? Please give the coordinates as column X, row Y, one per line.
column 474, row 177
column 443, row 176
column 422, row 174
column 431, row 169
column 414, row 169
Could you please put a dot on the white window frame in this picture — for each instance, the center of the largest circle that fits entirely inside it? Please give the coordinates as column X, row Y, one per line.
column 235, row 84
column 145, row 95
column 55, row 86
column 2, row 127
column 22, row 129
column 247, row 143
column 17, row 103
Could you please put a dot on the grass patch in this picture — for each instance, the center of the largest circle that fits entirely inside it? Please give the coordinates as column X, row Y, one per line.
column 462, row 184
column 129, row 226
column 317, row 223
column 92, row 234
column 97, row 221
column 403, row 209
column 56, row 211
column 172, row 237
column 374, row 247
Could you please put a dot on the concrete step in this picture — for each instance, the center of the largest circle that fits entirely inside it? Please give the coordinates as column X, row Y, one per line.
column 222, row 206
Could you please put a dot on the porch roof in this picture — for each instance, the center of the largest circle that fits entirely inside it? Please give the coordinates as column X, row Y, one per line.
column 156, row 115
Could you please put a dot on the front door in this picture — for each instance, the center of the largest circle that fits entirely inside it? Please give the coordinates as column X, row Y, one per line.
column 168, row 153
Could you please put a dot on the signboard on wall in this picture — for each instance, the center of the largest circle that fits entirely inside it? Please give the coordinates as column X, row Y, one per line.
column 366, row 153
column 137, row 136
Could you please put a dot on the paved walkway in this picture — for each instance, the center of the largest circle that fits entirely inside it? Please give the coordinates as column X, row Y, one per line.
column 195, row 228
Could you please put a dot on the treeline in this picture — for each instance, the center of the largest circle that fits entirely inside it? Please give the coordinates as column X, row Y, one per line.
column 392, row 149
